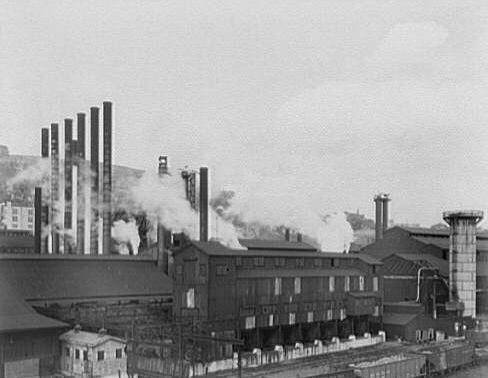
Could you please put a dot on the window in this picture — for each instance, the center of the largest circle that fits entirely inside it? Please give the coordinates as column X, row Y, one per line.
column 77, row 354
column 280, row 261
column 203, row 270
column 430, row 333
column 67, row 351
column 298, row 285
column 118, row 353
column 376, row 311
column 100, row 355
column 317, row 262
column 271, row 320
column 375, row 283
column 15, row 218
column 222, row 270
column 300, row 263
column 85, row 355
column 29, row 219
column 179, row 269
column 292, row 318
column 361, row 283
column 331, row 284
column 418, row 335
column 277, row 287
column 190, row 298
column 30, row 212
column 334, row 263
column 347, row 283
column 250, row 322
column 329, row 314
column 238, row 261
column 310, row 316
column 259, row 261
column 343, row 313
column 15, row 211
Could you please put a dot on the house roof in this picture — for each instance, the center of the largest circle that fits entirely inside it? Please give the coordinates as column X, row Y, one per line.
column 398, row 318
column 17, row 315
column 259, row 273
column 82, row 277
column 214, row 248
column 426, row 260
column 281, row 245
column 89, row 339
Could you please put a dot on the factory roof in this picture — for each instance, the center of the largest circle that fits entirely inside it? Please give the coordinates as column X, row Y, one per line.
column 298, row 273
column 88, row 339
column 214, row 248
column 281, row 245
column 398, row 318
column 45, row 278
column 17, row 315
column 440, row 238
column 427, row 261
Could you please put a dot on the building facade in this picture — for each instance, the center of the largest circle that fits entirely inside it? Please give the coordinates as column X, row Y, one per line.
column 17, row 215
column 277, row 292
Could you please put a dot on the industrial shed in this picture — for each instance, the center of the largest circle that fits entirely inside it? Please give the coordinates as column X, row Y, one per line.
column 93, row 291
column 28, row 340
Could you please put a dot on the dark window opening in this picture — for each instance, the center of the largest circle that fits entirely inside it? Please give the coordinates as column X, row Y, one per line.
column 77, row 354
column 100, row 355
column 118, row 353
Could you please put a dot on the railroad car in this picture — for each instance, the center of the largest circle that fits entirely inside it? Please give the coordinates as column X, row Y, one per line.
column 348, row 373
column 399, row 366
column 448, row 357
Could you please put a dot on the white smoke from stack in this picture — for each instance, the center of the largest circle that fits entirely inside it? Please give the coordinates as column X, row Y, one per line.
column 223, row 231
column 270, row 204
column 33, row 175
column 124, row 234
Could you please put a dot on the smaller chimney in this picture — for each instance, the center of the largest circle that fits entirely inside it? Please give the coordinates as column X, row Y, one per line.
column 299, row 237
column 385, row 198
column 164, row 237
column 287, row 234
column 204, row 204
column 37, row 219
column 378, row 217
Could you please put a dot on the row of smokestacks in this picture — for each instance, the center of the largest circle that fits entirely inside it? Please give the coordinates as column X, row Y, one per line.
column 381, row 214
column 48, row 211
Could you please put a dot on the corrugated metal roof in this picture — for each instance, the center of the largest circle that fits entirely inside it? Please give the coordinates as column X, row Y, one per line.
column 276, row 244
column 427, row 261
column 89, row 339
column 258, row 273
column 17, row 315
column 38, row 277
column 398, row 318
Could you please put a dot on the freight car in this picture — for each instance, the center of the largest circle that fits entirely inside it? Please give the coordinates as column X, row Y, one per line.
column 349, row 373
column 398, row 366
column 445, row 358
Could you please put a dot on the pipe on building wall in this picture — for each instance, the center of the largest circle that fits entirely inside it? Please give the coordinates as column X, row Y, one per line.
column 81, row 184
column 107, row 177
column 54, row 187
column 95, row 178
column 203, row 204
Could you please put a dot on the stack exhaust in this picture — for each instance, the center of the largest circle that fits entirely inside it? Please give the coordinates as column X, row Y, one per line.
column 107, row 177
column 462, row 260
column 203, row 204
column 54, row 186
column 80, row 193
column 68, row 183
column 163, row 235
column 94, row 178
column 44, row 205
column 381, row 214
column 37, row 220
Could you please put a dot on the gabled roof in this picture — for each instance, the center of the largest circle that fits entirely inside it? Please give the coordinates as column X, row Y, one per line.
column 276, row 244
column 82, row 277
column 88, row 339
column 427, row 261
column 17, row 315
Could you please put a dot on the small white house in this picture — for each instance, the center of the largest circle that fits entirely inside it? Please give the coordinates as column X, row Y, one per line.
column 87, row 354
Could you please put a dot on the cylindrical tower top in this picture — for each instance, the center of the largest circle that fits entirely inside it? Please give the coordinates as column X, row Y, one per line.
column 450, row 216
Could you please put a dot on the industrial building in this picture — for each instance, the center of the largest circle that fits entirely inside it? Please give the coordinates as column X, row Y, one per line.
column 16, row 241
column 17, row 215
column 276, row 292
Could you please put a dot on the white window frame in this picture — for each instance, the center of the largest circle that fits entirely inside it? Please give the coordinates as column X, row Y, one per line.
column 376, row 311
column 271, row 320
column 347, row 283
column 331, row 284
column 190, row 298
column 342, row 313
column 250, row 322
column 298, row 285
column 330, row 314
column 278, row 286
column 375, row 283
column 310, row 317
column 361, row 283
column 291, row 318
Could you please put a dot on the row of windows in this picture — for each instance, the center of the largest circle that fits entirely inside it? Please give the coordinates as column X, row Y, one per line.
column 299, row 262
column 100, row 354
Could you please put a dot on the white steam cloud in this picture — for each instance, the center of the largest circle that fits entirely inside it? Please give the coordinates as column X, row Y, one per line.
column 124, row 234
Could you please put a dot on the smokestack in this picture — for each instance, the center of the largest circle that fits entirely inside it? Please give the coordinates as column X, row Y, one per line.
column 95, row 177
column 299, row 237
column 378, row 221
column 385, row 219
column 37, row 219
column 203, row 204
column 287, row 234
column 462, row 260
column 164, row 239
column 44, row 205
column 68, row 182
column 107, row 177
column 54, row 185
column 81, row 186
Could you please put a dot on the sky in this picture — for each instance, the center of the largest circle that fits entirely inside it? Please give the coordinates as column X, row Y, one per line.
column 329, row 101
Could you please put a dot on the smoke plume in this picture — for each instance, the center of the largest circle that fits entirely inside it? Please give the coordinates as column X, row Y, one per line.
column 124, row 234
